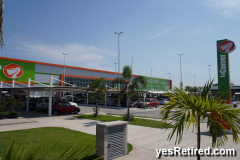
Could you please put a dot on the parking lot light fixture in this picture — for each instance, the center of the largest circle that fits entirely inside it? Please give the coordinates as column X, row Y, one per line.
column 118, row 61
column 181, row 84
column 64, row 54
column 115, row 69
column 209, row 71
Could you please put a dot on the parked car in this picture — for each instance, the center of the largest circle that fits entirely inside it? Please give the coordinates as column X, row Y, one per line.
column 134, row 102
column 43, row 103
column 81, row 99
column 33, row 103
column 164, row 101
column 64, row 107
column 149, row 102
column 66, row 100
column 100, row 102
column 110, row 101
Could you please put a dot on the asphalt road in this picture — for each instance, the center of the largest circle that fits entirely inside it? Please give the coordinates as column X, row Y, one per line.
column 153, row 112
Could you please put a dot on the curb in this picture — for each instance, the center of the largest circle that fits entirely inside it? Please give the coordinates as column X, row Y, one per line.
column 12, row 123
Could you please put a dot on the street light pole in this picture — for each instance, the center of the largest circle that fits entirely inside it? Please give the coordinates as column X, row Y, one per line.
column 118, row 62
column 64, row 54
column 169, row 75
column 181, row 84
column 209, row 71
column 115, row 69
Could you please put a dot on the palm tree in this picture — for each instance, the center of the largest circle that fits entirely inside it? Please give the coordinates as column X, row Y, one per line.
column 186, row 109
column 130, row 89
column 1, row 22
column 98, row 89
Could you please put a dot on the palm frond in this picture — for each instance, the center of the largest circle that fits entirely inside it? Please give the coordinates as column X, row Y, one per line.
column 184, row 109
column 119, row 80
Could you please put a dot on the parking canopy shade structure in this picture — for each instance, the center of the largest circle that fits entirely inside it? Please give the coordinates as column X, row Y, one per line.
column 50, row 88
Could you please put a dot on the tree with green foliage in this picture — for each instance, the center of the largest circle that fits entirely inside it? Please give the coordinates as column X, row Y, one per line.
column 186, row 109
column 98, row 89
column 131, row 85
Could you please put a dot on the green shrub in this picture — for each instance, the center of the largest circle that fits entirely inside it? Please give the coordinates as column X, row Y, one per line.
column 125, row 117
column 12, row 103
column 7, row 114
column 18, row 105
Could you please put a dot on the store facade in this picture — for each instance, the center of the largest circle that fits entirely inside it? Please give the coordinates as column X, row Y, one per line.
column 40, row 73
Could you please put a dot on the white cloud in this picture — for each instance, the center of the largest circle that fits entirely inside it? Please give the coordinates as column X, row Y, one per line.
column 78, row 55
column 162, row 32
column 227, row 8
column 198, row 31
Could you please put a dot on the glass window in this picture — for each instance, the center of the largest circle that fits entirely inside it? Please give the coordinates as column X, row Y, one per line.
column 59, row 104
column 66, row 105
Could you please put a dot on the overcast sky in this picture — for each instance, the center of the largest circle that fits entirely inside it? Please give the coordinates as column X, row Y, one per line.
column 154, row 33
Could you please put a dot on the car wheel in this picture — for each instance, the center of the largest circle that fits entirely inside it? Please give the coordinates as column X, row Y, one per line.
column 157, row 106
column 75, row 111
column 135, row 106
column 55, row 112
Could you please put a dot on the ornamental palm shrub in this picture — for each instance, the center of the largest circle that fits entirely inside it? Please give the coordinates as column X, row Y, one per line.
column 186, row 109
column 98, row 90
column 130, row 89
column 21, row 153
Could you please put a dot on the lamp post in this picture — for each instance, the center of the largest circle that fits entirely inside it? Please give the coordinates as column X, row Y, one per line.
column 64, row 54
column 209, row 71
column 181, row 84
column 169, row 75
column 118, row 61
column 115, row 69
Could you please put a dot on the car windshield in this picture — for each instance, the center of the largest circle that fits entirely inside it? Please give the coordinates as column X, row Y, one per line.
column 147, row 100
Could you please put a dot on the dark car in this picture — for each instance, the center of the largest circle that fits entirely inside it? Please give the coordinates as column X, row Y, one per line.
column 64, row 107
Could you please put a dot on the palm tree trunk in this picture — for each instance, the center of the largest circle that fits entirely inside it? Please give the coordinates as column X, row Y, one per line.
column 96, row 114
column 198, row 137
column 128, row 116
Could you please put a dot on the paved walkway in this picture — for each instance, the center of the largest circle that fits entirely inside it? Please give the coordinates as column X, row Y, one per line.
column 145, row 140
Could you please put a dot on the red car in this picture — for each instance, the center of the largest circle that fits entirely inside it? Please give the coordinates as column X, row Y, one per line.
column 64, row 107
column 149, row 102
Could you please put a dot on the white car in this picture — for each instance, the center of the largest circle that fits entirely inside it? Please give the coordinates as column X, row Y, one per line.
column 73, row 104
column 163, row 101
column 43, row 103
column 135, row 103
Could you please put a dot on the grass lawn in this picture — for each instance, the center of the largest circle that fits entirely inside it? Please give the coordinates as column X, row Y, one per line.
column 30, row 138
column 137, row 121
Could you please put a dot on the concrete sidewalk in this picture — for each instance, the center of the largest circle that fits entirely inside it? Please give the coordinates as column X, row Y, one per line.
column 145, row 140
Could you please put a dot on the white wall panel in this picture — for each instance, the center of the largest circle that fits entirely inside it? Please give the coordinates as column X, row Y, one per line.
column 43, row 78
column 43, row 68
